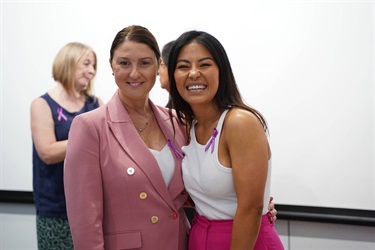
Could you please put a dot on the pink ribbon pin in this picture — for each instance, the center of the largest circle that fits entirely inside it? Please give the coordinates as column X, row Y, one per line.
column 61, row 114
column 212, row 141
column 177, row 153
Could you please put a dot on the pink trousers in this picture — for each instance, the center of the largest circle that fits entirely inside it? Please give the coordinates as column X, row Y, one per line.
column 216, row 235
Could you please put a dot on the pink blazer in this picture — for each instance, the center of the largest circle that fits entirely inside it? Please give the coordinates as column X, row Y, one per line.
column 115, row 193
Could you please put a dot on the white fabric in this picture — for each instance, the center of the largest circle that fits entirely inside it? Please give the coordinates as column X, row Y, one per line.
column 209, row 183
column 166, row 163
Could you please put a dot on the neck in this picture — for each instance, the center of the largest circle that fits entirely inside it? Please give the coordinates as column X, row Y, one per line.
column 143, row 110
column 140, row 120
column 207, row 118
column 141, row 106
column 73, row 95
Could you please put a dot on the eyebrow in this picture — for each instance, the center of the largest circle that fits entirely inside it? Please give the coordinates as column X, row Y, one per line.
column 200, row 60
column 143, row 58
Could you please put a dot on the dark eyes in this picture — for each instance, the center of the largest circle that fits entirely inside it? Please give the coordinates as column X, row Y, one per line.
column 186, row 66
column 205, row 64
column 182, row 66
column 124, row 63
column 142, row 63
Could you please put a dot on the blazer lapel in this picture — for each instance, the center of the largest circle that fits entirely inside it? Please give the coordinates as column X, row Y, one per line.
column 126, row 134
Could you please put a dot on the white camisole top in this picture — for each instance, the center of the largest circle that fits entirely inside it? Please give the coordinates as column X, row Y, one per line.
column 166, row 163
column 209, row 183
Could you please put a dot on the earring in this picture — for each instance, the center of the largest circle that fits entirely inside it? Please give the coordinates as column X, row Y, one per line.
column 113, row 74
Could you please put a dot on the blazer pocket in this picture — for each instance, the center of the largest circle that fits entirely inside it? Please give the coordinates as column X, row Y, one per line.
column 126, row 240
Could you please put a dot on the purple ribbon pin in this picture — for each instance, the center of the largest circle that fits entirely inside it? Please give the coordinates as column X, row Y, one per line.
column 177, row 153
column 61, row 114
column 211, row 143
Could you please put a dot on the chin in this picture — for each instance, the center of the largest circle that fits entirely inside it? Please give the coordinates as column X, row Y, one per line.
column 83, row 86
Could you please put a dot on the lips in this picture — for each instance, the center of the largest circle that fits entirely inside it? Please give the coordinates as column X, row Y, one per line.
column 135, row 84
column 196, row 87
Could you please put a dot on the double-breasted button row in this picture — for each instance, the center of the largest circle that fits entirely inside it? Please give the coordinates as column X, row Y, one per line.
column 155, row 219
column 143, row 195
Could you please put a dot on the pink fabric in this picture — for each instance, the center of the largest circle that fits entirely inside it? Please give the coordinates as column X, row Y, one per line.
column 61, row 114
column 216, row 234
column 107, row 166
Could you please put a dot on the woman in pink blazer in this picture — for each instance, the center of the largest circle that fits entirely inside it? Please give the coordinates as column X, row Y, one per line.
column 122, row 172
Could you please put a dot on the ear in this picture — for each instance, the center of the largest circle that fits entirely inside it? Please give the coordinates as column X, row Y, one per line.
column 160, row 63
column 111, row 66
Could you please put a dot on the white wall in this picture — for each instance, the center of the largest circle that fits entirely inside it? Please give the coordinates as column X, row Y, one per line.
column 307, row 65
column 17, row 232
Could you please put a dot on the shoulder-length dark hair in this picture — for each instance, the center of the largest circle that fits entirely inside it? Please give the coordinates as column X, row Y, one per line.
column 227, row 96
column 135, row 33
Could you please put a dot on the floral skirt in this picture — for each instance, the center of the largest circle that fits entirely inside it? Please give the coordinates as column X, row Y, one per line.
column 53, row 234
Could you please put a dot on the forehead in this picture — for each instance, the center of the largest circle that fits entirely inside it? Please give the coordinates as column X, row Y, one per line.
column 194, row 49
column 89, row 55
column 130, row 49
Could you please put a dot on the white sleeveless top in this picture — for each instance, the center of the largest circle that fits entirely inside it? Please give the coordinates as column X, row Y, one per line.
column 209, row 183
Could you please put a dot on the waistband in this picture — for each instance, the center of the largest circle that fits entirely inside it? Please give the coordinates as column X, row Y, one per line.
column 207, row 223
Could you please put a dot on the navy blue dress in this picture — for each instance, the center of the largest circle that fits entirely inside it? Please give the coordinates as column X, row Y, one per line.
column 48, row 184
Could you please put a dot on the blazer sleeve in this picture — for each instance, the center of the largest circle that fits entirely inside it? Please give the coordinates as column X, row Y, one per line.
column 83, row 185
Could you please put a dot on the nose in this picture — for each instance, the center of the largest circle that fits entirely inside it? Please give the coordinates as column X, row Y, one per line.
column 92, row 70
column 134, row 73
column 194, row 73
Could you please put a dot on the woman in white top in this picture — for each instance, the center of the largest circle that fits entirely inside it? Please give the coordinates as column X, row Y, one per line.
column 226, row 169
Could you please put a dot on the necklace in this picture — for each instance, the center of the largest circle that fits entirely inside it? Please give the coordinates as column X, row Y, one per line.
column 145, row 126
column 141, row 129
column 149, row 120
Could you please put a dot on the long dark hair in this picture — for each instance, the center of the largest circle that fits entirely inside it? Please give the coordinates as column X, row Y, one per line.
column 227, row 96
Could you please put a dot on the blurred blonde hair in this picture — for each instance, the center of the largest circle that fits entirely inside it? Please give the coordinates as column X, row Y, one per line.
column 65, row 65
